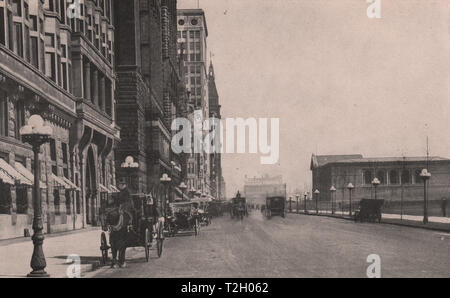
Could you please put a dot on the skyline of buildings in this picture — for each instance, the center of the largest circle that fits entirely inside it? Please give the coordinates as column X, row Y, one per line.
column 109, row 84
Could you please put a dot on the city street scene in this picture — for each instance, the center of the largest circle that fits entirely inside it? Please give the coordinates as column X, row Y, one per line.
column 202, row 139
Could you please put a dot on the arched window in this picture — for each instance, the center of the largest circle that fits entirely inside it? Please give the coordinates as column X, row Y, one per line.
column 381, row 175
column 393, row 177
column 367, row 177
column 406, row 177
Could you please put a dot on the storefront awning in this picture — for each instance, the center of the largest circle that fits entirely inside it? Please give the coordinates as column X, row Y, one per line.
column 103, row 188
column 25, row 172
column 114, row 189
column 10, row 171
column 6, row 178
column 59, row 182
column 71, row 184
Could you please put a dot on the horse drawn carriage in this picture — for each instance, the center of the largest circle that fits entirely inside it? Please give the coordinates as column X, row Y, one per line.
column 274, row 206
column 183, row 217
column 132, row 224
column 369, row 210
column 238, row 207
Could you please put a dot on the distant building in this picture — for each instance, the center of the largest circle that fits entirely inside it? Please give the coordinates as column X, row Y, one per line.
column 258, row 188
column 396, row 174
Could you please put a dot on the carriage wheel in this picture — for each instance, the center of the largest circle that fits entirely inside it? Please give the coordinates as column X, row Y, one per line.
column 147, row 243
column 104, row 248
column 160, row 241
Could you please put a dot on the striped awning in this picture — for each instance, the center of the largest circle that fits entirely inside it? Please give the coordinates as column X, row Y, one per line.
column 103, row 189
column 13, row 173
column 114, row 189
column 25, row 172
column 59, row 182
column 71, row 184
column 6, row 178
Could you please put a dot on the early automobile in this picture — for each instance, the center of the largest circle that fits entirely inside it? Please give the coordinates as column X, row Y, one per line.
column 238, row 207
column 274, row 206
column 137, row 227
column 369, row 210
column 183, row 217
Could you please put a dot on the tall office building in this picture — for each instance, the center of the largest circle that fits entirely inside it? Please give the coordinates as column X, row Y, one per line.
column 192, row 45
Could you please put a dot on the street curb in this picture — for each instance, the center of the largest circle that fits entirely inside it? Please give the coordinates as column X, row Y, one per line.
column 5, row 242
column 383, row 222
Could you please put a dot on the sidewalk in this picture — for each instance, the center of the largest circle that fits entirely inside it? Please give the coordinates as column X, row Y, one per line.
column 434, row 223
column 15, row 257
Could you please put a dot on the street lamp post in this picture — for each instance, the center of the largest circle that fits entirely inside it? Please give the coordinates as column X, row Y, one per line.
column 350, row 188
column 296, row 209
column 306, row 196
column 425, row 175
column 290, row 204
column 317, row 193
column 333, row 192
column 36, row 134
column 375, row 184
column 183, row 188
column 128, row 166
column 165, row 180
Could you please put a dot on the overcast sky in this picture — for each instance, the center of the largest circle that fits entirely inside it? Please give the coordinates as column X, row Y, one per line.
column 340, row 83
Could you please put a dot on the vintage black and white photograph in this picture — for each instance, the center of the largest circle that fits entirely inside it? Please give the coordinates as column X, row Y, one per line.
column 224, row 139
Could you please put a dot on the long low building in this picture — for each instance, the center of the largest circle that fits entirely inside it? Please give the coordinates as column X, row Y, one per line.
column 397, row 176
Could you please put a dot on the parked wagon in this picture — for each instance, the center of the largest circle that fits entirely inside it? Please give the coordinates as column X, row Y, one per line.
column 136, row 227
column 238, row 207
column 183, row 217
column 275, row 206
column 369, row 210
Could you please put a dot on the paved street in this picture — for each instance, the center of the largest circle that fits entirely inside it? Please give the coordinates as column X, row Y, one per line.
column 297, row 246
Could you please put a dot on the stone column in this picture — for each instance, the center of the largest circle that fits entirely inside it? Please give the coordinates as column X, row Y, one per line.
column 95, row 86
column 87, row 81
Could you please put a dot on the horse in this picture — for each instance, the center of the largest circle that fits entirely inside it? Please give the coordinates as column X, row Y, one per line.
column 119, row 220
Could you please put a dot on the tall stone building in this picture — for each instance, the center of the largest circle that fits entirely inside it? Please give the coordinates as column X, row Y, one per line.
column 150, row 92
column 215, row 159
column 61, row 68
column 192, row 36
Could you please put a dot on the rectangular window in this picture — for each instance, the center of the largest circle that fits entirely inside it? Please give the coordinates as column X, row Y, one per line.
column 2, row 26
column 53, row 150
column 34, row 52
column 17, row 7
column 64, row 75
column 34, row 23
column 63, row 11
column 58, row 65
column 184, row 34
column 191, row 34
column 42, row 56
column 3, row 114
column 192, row 80
column 197, row 34
column 10, row 31
column 50, row 68
column 64, row 152
column 19, row 110
column 19, row 39
column 27, row 44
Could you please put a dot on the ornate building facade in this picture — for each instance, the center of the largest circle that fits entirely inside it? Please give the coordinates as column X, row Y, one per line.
column 63, row 69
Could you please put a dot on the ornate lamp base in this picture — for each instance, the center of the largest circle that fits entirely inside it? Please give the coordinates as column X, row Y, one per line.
column 39, row 273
